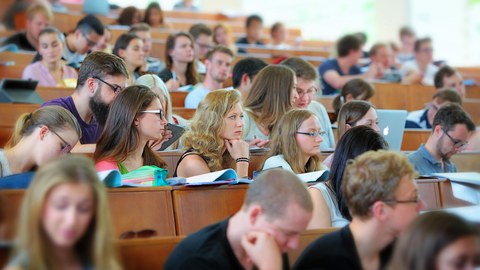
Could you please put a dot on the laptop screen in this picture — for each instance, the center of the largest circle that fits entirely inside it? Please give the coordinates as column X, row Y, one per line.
column 392, row 126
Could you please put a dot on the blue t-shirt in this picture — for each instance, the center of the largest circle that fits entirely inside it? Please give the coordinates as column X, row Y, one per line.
column 332, row 64
column 90, row 132
column 425, row 164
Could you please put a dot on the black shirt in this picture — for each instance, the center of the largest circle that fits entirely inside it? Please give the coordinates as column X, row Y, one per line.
column 244, row 41
column 20, row 39
column 207, row 249
column 336, row 250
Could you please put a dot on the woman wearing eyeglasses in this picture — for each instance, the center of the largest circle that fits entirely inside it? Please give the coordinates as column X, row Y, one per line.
column 129, row 47
column 135, row 118
column 37, row 138
column 296, row 143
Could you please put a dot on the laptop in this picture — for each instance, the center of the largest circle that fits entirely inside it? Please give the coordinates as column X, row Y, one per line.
column 19, row 91
column 392, row 125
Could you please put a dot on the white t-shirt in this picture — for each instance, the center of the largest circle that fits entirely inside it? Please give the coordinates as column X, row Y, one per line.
column 429, row 75
column 197, row 95
column 4, row 167
column 331, row 200
column 277, row 161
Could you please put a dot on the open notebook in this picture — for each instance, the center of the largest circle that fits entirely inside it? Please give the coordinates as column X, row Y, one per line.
column 227, row 176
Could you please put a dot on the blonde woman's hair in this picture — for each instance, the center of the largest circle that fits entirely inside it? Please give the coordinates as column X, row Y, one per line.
column 204, row 133
column 269, row 96
column 55, row 118
column 284, row 142
column 95, row 246
column 156, row 84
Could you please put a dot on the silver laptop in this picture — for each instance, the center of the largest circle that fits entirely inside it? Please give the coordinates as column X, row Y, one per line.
column 392, row 125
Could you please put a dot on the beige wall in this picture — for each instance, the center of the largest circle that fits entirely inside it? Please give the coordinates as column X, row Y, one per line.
column 390, row 16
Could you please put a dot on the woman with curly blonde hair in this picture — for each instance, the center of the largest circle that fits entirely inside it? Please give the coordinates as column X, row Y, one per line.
column 214, row 140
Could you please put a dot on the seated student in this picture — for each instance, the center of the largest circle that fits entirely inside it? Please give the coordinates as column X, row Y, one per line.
column 276, row 210
column 421, row 69
column 296, row 142
column 451, row 130
column 407, row 45
column 180, row 59
column 129, row 16
column 278, row 32
column 381, row 55
column 37, row 138
column 150, row 64
column 329, row 205
column 154, row 17
column 214, row 139
column 64, row 220
column 382, row 197
column 449, row 78
column 129, row 47
column 39, row 16
column 355, row 89
column 253, row 28
column 437, row 240
column 244, row 72
column 101, row 77
column 186, row 5
column 307, row 79
column 336, row 72
column 424, row 118
column 103, row 44
column 202, row 37
column 222, row 34
column 272, row 94
column 135, row 118
column 51, row 70
column 218, row 62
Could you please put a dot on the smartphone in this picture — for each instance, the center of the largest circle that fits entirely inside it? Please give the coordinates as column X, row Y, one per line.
column 177, row 132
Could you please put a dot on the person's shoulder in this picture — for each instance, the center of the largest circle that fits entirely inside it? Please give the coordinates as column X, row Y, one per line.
column 65, row 102
column 328, row 65
column 277, row 161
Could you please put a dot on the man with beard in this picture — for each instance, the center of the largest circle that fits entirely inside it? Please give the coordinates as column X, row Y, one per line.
column 218, row 63
column 101, row 77
column 451, row 129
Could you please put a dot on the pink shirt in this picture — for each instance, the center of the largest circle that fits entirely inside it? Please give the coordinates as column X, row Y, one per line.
column 106, row 164
column 37, row 71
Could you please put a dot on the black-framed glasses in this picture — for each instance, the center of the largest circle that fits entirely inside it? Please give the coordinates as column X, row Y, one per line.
column 312, row 134
column 66, row 148
column 415, row 200
column 157, row 112
column 115, row 88
column 90, row 43
column 456, row 143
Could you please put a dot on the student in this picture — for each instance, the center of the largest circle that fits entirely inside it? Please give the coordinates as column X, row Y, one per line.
column 150, row 64
column 382, row 196
column 202, row 37
column 51, row 70
column 39, row 16
column 136, row 117
column 272, row 94
column 214, row 140
column 307, row 84
column 180, row 60
column 37, row 138
column 253, row 28
column 101, row 77
column 449, row 78
column 329, row 204
column 437, row 240
column 276, row 210
column 381, row 55
column 296, row 142
column 407, row 40
column 129, row 47
column 421, row 69
column 244, row 72
column 278, row 32
column 223, row 35
column 103, row 44
column 154, row 17
column 355, row 89
column 129, row 16
column 451, row 130
column 64, row 220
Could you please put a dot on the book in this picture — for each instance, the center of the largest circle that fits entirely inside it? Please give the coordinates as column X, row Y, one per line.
column 227, row 176
column 145, row 176
column 317, row 176
column 463, row 177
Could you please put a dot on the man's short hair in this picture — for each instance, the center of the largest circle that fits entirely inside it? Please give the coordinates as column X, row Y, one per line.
column 376, row 47
column 219, row 48
column 346, row 44
column 90, row 23
column 199, row 29
column 100, row 64
column 274, row 190
column 443, row 72
column 302, row 68
column 406, row 31
column 139, row 27
column 450, row 115
column 39, row 7
column 250, row 66
column 448, row 95
column 252, row 18
column 374, row 176
column 362, row 37
column 420, row 41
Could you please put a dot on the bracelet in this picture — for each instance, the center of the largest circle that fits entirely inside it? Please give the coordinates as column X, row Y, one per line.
column 242, row 159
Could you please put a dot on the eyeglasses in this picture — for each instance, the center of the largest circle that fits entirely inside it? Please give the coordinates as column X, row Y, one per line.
column 416, row 200
column 158, row 112
column 90, row 43
column 310, row 91
column 456, row 143
column 138, row 234
column 312, row 134
column 115, row 88
column 66, row 148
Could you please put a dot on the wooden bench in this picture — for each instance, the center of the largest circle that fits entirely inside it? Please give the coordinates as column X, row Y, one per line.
column 19, row 58
column 50, row 93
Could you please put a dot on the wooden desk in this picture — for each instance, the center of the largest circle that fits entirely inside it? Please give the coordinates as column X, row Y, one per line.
column 49, row 93
column 9, row 113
